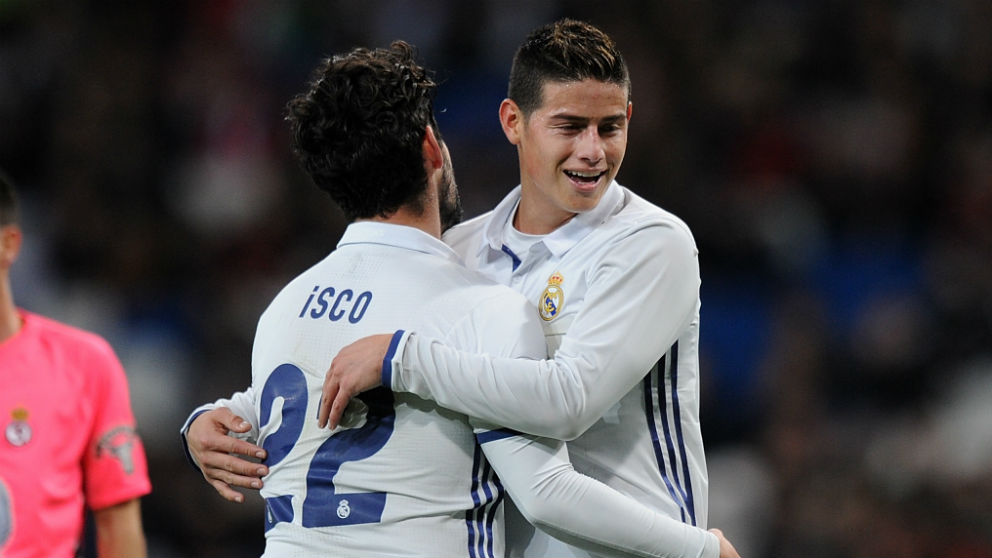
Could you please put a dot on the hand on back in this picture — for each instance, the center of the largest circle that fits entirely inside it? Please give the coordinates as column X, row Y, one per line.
column 218, row 454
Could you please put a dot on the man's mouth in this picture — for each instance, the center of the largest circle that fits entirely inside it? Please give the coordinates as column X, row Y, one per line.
column 585, row 178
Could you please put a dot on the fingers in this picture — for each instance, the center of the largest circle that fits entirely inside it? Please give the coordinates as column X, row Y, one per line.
column 338, row 393
column 217, row 453
column 223, row 417
column 329, row 415
column 227, row 492
column 356, row 368
column 242, row 447
column 237, row 424
column 204, row 442
column 337, row 408
column 225, row 467
column 234, row 472
column 328, row 392
column 250, row 480
column 211, row 434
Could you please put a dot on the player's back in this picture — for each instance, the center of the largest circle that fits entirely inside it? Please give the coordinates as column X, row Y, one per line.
column 408, row 477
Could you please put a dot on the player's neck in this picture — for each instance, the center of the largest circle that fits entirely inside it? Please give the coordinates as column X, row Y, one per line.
column 427, row 221
column 10, row 319
column 529, row 221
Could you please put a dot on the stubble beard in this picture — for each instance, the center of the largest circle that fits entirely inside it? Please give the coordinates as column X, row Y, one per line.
column 450, row 205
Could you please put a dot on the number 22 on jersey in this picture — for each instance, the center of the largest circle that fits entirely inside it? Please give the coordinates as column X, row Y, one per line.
column 323, row 506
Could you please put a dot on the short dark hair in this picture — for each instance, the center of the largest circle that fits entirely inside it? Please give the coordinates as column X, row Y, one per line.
column 8, row 201
column 359, row 128
column 563, row 51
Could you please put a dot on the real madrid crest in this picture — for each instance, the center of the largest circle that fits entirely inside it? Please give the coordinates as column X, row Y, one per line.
column 18, row 430
column 552, row 299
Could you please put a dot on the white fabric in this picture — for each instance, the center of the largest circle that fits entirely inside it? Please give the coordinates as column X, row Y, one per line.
column 429, row 465
column 629, row 303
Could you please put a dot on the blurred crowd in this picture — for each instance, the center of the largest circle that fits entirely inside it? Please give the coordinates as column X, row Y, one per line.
column 833, row 159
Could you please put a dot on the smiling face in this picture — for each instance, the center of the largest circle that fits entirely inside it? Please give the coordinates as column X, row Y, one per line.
column 570, row 149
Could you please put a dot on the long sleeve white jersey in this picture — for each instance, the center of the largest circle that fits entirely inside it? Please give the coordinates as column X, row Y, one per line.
column 403, row 476
column 617, row 289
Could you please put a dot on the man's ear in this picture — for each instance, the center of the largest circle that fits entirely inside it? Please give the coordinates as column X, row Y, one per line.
column 433, row 157
column 630, row 110
column 10, row 244
column 511, row 118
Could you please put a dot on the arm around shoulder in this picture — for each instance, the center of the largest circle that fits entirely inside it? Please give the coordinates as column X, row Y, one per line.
column 643, row 294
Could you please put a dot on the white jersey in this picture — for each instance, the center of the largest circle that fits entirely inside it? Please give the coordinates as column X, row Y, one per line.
column 617, row 289
column 403, row 476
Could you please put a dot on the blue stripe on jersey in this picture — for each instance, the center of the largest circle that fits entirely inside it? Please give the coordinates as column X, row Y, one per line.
column 499, row 434
column 387, row 361
column 652, row 415
column 678, row 493
column 495, row 495
column 487, row 495
column 677, row 413
column 516, row 260
column 470, row 522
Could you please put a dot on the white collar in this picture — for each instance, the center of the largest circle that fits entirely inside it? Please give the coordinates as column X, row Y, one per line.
column 564, row 237
column 398, row 236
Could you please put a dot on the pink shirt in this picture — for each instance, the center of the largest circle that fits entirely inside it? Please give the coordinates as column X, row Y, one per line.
column 68, row 436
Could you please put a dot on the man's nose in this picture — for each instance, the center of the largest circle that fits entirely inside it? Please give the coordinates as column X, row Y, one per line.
column 590, row 146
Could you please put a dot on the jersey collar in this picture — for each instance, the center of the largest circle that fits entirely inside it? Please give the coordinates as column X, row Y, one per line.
column 397, row 236
column 564, row 237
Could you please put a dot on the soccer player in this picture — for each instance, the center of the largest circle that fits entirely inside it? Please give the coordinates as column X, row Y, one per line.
column 69, row 433
column 402, row 476
column 615, row 281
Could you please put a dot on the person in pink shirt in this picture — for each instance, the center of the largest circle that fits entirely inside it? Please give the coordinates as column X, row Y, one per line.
column 69, row 437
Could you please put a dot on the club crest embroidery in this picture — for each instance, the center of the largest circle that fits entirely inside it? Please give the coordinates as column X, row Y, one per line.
column 552, row 299
column 18, row 430
column 119, row 444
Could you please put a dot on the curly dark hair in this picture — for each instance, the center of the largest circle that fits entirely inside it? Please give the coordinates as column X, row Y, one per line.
column 563, row 51
column 358, row 129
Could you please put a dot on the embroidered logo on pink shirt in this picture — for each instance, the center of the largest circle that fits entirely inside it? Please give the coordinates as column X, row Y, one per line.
column 119, row 444
column 18, row 431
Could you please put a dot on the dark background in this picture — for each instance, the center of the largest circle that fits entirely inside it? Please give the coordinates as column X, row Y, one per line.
column 833, row 159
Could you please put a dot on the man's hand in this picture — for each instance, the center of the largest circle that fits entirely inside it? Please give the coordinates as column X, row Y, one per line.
column 727, row 550
column 217, row 453
column 356, row 368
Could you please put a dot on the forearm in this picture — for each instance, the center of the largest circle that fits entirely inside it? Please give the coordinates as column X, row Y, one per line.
column 558, row 398
column 596, row 519
column 544, row 398
column 119, row 532
column 584, row 512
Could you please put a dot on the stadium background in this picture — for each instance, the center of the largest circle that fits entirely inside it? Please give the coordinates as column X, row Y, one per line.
column 834, row 160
